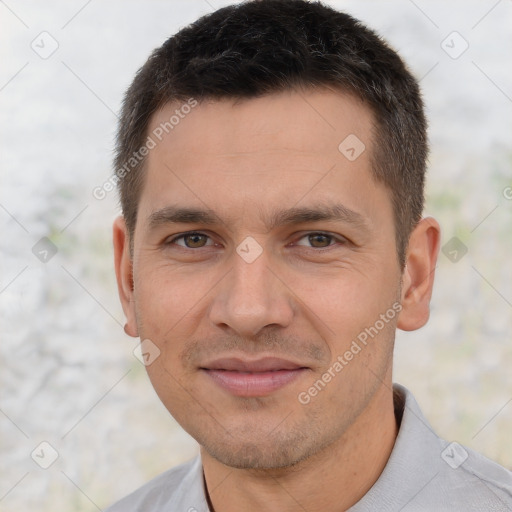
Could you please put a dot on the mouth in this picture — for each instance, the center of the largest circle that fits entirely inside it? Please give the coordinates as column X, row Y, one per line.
column 247, row 378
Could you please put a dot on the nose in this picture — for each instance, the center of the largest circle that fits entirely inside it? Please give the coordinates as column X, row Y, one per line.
column 251, row 297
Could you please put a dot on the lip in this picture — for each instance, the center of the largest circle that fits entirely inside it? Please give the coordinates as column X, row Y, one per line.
column 246, row 378
column 264, row 364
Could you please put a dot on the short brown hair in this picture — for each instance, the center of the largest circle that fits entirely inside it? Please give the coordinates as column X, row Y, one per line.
column 266, row 46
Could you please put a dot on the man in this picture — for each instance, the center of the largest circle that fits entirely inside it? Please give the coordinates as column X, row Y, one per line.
column 271, row 161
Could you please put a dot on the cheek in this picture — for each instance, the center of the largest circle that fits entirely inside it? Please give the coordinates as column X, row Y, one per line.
column 343, row 299
column 168, row 298
column 346, row 310
column 170, row 387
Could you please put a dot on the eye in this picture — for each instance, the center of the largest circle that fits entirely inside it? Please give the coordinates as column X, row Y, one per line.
column 191, row 240
column 319, row 240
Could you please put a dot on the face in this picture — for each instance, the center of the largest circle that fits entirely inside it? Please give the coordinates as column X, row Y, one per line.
column 261, row 254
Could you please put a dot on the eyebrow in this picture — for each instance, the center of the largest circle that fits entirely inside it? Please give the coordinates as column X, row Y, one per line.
column 292, row 216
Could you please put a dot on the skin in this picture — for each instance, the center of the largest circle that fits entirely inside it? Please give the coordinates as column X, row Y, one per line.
column 303, row 298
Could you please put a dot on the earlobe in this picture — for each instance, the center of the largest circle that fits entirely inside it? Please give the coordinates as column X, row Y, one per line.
column 418, row 274
column 124, row 274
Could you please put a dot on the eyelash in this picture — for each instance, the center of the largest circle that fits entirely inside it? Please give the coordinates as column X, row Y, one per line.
column 340, row 240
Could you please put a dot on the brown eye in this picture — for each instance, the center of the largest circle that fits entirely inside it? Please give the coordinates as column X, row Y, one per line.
column 319, row 240
column 195, row 240
column 191, row 240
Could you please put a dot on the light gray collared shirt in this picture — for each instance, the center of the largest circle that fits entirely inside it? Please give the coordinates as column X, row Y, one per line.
column 423, row 473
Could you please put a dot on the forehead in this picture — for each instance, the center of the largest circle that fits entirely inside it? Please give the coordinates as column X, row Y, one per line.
column 257, row 154
column 314, row 121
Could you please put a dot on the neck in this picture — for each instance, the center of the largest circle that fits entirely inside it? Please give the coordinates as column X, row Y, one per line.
column 332, row 480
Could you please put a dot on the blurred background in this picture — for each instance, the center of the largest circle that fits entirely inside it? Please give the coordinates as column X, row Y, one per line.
column 69, row 377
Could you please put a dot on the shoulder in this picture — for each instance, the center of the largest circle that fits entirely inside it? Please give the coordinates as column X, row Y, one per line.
column 476, row 478
column 425, row 472
column 174, row 489
column 455, row 477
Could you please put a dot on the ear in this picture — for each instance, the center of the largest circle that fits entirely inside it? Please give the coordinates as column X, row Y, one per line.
column 418, row 274
column 124, row 274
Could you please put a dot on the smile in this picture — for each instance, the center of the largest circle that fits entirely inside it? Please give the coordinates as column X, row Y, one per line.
column 253, row 378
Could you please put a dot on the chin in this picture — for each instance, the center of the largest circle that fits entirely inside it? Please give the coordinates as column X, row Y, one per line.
column 272, row 452
column 252, row 456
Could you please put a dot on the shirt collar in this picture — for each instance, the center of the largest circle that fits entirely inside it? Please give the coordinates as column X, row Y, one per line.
column 414, row 461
